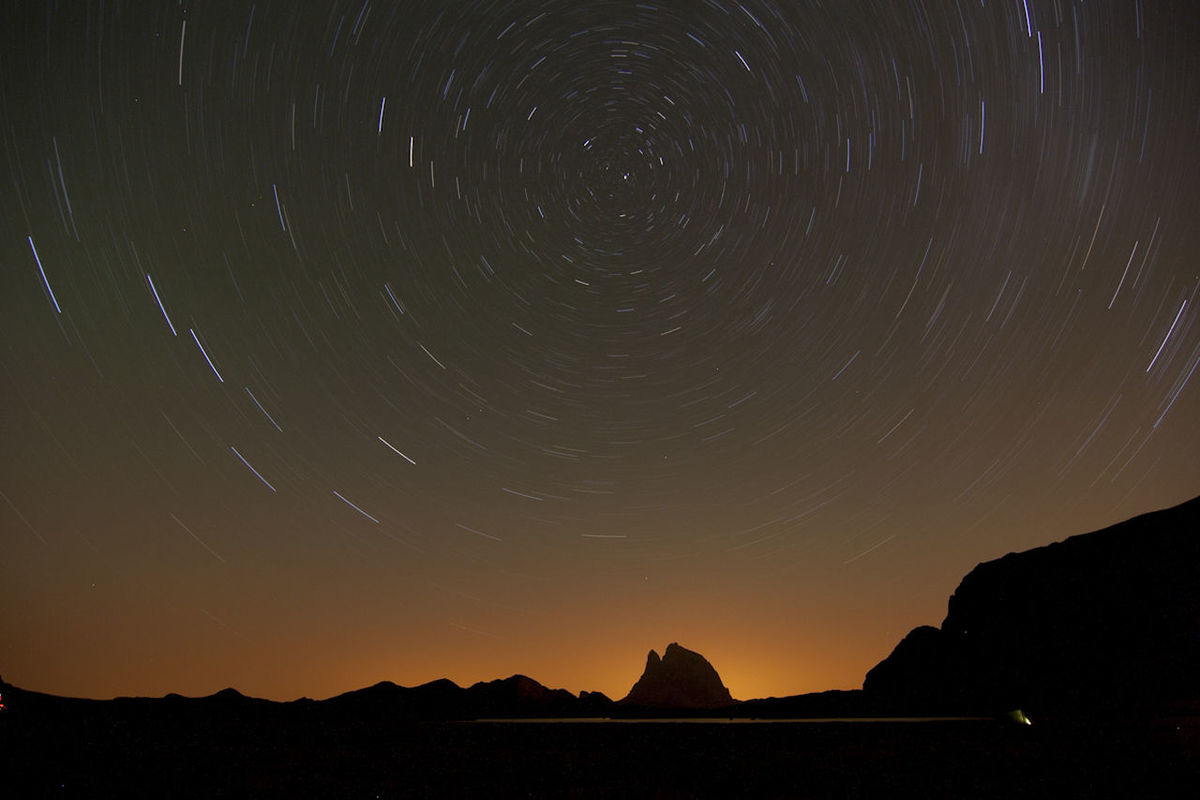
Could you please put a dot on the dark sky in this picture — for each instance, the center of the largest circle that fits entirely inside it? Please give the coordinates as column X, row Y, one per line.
column 350, row 341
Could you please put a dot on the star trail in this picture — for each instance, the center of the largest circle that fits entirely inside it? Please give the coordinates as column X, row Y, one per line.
column 351, row 341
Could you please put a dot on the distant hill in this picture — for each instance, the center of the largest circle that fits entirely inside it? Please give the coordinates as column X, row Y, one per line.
column 516, row 696
column 1108, row 620
column 385, row 702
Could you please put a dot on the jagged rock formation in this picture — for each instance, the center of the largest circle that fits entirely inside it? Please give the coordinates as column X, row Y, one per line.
column 680, row 679
column 1105, row 620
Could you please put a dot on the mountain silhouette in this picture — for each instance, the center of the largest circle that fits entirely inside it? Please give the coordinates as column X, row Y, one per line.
column 519, row 695
column 1100, row 621
column 1103, row 620
column 680, row 679
column 516, row 696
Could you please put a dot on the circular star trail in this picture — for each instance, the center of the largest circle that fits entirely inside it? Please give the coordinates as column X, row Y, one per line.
column 459, row 339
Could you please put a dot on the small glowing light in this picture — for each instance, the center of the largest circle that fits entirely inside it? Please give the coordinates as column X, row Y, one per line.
column 1017, row 715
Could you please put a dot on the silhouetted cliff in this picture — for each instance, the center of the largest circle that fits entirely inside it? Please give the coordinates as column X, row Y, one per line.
column 680, row 679
column 1108, row 620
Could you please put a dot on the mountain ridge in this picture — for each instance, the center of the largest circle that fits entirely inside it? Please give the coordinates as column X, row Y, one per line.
column 1097, row 621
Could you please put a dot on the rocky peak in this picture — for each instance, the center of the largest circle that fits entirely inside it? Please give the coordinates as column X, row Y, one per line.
column 682, row 678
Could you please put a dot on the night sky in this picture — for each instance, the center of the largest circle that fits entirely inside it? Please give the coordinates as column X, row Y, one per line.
column 347, row 341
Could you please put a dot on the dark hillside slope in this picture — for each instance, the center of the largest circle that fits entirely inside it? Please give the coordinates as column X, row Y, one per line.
column 1102, row 621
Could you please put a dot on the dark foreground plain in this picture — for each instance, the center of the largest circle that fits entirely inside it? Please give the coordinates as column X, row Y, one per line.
column 1157, row 757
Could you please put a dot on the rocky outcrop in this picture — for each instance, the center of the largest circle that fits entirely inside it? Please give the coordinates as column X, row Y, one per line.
column 680, row 679
column 1105, row 620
